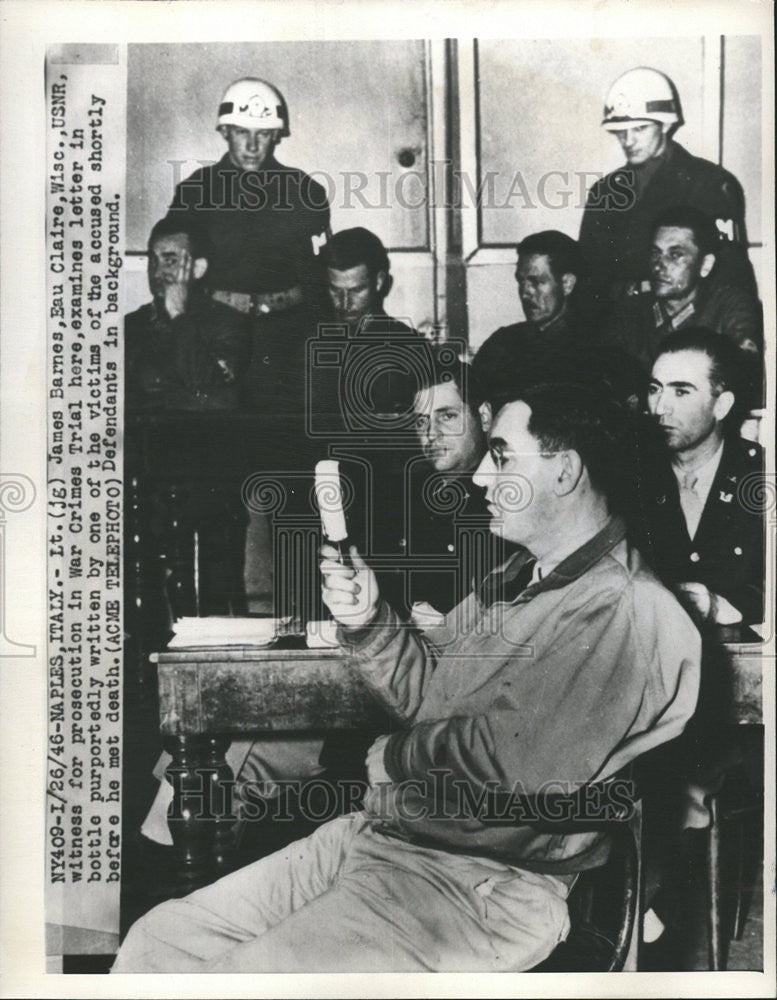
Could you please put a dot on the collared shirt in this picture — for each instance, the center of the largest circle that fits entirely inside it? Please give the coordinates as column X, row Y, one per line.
column 695, row 486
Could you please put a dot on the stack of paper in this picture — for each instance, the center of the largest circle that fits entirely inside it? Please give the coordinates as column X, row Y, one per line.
column 223, row 631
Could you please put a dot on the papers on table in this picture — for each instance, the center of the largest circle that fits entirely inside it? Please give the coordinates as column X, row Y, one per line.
column 322, row 635
column 224, row 631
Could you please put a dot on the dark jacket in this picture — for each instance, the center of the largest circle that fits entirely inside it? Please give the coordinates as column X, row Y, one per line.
column 179, row 364
column 617, row 222
column 267, row 227
column 638, row 324
column 727, row 552
column 568, row 349
column 441, row 540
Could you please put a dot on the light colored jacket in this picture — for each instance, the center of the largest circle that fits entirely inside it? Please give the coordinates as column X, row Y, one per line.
column 583, row 672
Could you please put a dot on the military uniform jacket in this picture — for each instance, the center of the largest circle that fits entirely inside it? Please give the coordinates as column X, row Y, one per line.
column 267, row 226
column 727, row 552
column 566, row 348
column 192, row 362
column 442, row 543
column 639, row 324
column 616, row 228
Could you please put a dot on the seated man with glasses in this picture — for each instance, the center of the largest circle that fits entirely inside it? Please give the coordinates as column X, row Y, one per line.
column 568, row 662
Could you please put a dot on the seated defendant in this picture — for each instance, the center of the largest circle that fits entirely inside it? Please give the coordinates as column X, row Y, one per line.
column 685, row 290
column 446, row 541
column 182, row 350
column 705, row 530
column 555, row 335
column 642, row 110
column 568, row 662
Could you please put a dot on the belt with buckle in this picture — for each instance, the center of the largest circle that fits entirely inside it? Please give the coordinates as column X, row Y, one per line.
column 260, row 303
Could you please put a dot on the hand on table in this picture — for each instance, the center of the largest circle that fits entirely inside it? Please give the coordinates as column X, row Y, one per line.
column 350, row 592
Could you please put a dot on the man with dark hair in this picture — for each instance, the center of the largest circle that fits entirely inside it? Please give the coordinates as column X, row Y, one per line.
column 376, row 349
column 684, row 291
column 351, row 248
column 445, row 543
column 183, row 351
column 566, row 664
column 554, row 338
column 642, row 110
column 547, row 273
column 704, row 530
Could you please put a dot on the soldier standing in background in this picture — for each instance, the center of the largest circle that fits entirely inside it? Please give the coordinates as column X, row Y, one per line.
column 268, row 223
column 643, row 111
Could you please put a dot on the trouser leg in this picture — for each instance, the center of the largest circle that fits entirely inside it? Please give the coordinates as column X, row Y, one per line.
column 347, row 899
column 260, row 762
column 394, row 908
column 185, row 935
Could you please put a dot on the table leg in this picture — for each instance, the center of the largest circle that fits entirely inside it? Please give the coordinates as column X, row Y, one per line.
column 198, row 817
column 222, row 800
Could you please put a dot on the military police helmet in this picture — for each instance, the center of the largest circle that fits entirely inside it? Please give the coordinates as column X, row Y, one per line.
column 252, row 103
column 639, row 96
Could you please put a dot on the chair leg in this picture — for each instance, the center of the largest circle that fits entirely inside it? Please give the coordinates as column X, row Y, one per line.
column 740, row 906
column 631, row 963
column 714, row 900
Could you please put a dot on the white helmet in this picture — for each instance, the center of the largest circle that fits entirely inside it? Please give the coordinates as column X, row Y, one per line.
column 252, row 103
column 641, row 95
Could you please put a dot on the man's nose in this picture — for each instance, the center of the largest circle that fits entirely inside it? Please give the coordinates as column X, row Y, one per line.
column 661, row 404
column 658, row 263
column 253, row 142
column 434, row 429
column 484, row 474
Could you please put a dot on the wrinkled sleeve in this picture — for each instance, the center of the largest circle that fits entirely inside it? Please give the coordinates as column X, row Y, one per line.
column 395, row 660
column 607, row 690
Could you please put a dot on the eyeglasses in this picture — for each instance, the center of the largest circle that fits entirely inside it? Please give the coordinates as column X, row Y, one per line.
column 499, row 455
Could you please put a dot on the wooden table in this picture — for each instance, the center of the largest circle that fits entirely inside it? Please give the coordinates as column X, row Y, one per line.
column 208, row 695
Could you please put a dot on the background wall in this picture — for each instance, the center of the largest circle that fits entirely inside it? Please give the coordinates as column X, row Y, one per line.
column 525, row 113
column 354, row 107
column 535, row 106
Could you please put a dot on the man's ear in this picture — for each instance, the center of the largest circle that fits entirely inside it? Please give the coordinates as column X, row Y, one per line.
column 223, row 131
column 381, row 282
column 199, row 267
column 707, row 264
column 568, row 282
column 486, row 416
column 571, row 472
column 723, row 405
